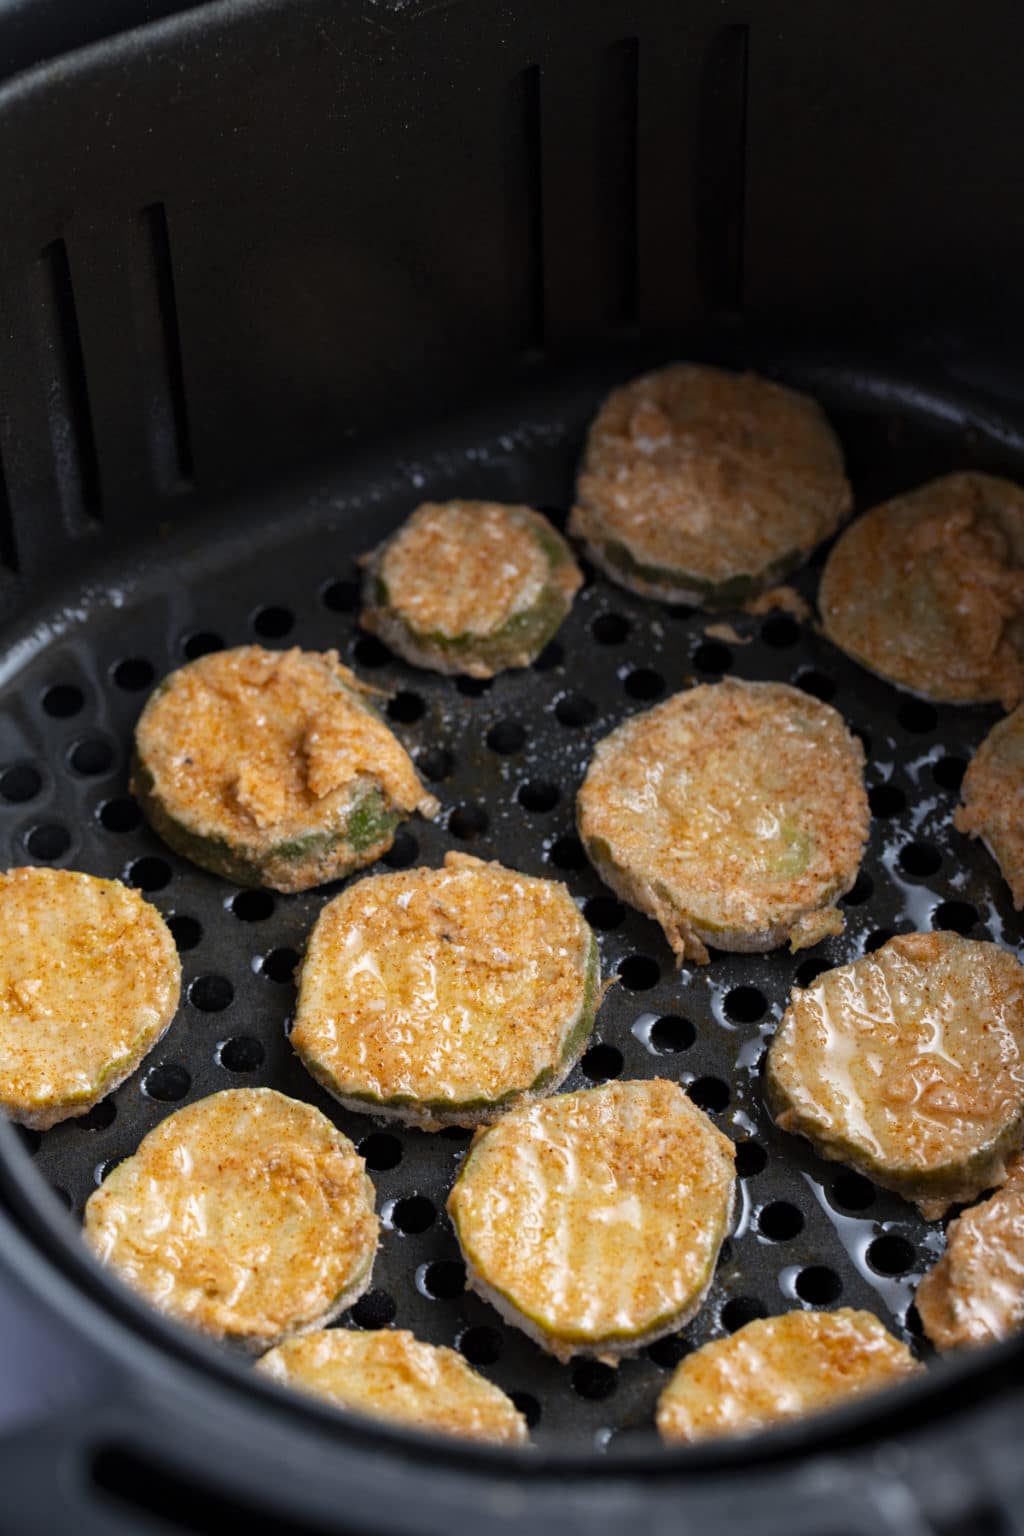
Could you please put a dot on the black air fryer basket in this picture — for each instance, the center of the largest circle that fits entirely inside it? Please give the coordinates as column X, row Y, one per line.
column 271, row 273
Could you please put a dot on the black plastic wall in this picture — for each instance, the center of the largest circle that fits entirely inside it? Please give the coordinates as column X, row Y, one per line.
column 33, row 31
column 251, row 237
column 244, row 238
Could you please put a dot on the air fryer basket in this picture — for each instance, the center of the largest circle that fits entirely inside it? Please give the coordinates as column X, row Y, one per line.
column 269, row 260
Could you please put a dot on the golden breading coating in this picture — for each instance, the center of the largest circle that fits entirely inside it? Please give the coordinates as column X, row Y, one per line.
column 780, row 600
column 593, row 1220
column 470, row 586
column 270, row 767
column 734, row 815
column 701, row 486
column 993, row 796
column 246, row 1214
column 928, row 590
column 443, row 995
column 975, row 1293
column 388, row 1374
column 909, row 1065
column 780, row 1368
column 89, row 982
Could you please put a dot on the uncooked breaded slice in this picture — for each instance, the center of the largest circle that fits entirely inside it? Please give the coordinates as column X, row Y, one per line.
column 780, row 1368
column 593, row 1221
column 928, row 590
column 909, row 1065
column 247, row 1214
column 271, row 768
column 993, row 796
column 388, row 1374
column 89, row 982
column 975, row 1293
column 443, row 996
column 470, row 586
column 734, row 815
column 702, row 486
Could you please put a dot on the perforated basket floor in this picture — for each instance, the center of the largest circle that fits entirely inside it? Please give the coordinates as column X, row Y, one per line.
column 506, row 760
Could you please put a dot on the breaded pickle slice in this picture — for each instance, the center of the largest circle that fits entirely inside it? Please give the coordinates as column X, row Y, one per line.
column 701, row 486
column 928, row 590
column 89, row 982
column 442, row 996
column 909, row 1065
column 470, row 586
column 271, row 768
column 246, row 1214
column 734, row 815
column 975, row 1293
column 593, row 1220
column 388, row 1374
column 780, row 1368
column 993, row 796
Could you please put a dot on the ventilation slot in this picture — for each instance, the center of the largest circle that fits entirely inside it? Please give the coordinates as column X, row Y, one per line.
column 619, row 175
column 525, row 180
column 721, row 177
column 156, row 321
column 70, row 418
column 8, row 547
